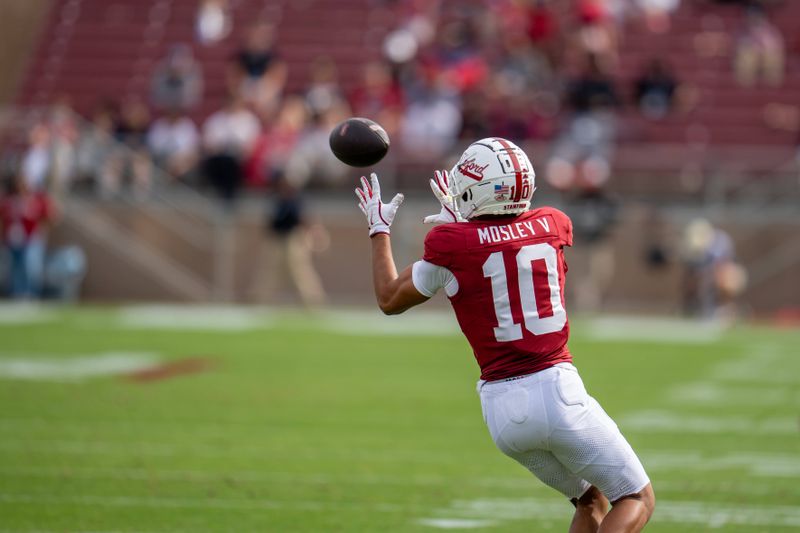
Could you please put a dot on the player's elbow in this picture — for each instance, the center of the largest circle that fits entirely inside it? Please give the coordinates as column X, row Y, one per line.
column 390, row 307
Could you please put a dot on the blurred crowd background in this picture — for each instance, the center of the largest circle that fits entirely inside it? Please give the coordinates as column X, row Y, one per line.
column 663, row 127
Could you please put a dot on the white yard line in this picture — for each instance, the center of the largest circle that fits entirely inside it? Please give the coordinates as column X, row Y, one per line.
column 757, row 464
column 431, row 324
column 711, row 515
column 73, row 367
column 714, row 394
column 202, row 317
column 25, row 313
column 658, row 330
column 658, row 421
column 455, row 523
column 763, row 366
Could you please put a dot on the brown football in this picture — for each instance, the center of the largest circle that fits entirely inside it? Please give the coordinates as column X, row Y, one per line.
column 359, row 142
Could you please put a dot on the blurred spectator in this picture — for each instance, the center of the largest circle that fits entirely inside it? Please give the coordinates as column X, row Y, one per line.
column 64, row 271
column 174, row 144
column 542, row 23
column 597, row 32
column 657, row 13
column 323, row 91
column 712, row 41
column 759, row 50
column 257, row 72
column 213, row 22
column 520, row 68
column 543, row 30
column 312, row 158
column 25, row 215
column 432, row 118
column 582, row 153
column 95, row 144
column 177, row 82
column 713, row 279
column 228, row 139
column 49, row 161
column 62, row 122
column 271, row 152
column 655, row 89
column 36, row 159
column 379, row 96
column 458, row 57
column 129, row 158
column 415, row 32
column 293, row 238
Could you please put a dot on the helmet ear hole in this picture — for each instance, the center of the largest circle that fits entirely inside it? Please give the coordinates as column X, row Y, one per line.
column 464, row 196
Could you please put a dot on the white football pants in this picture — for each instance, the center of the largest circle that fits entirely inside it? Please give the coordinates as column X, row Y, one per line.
column 548, row 423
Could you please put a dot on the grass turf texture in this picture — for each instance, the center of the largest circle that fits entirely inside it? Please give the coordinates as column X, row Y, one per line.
column 298, row 427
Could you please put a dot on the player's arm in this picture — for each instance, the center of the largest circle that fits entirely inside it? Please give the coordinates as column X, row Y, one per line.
column 395, row 293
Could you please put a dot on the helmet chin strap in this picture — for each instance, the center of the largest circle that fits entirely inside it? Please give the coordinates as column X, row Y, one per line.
column 475, row 207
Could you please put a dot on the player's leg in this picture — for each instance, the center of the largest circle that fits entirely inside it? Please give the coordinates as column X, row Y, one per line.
column 590, row 511
column 590, row 504
column 515, row 416
column 630, row 513
column 588, row 443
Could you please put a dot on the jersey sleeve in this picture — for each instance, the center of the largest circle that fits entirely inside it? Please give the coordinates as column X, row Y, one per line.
column 567, row 230
column 564, row 225
column 438, row 245
column 429, row 278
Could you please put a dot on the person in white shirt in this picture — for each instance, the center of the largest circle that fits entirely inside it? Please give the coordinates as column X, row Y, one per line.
column 174, row 143
column 228, row 139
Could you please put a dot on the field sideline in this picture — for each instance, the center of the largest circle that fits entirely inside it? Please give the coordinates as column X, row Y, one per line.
column 169, row 419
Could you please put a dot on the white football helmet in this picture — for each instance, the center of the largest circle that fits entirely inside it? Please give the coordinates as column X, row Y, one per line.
column 493, row 177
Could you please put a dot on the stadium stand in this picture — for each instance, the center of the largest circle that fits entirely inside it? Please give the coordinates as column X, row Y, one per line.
column 91, row 49
column 714, row 152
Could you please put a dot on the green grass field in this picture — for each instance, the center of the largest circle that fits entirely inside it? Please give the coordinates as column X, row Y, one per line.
column 311, row 423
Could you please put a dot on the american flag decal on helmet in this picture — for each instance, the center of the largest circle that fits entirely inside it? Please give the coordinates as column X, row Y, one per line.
column 501, row 192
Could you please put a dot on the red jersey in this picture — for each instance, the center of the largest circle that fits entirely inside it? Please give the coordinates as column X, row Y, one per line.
column 22, row 216
column 510, row 301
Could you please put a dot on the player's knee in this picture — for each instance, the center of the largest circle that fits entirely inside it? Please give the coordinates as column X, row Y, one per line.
column 649, row 499
column 646, row 497
column 592, row 500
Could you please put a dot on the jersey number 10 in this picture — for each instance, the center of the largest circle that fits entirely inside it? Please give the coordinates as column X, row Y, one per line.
column 532, row 310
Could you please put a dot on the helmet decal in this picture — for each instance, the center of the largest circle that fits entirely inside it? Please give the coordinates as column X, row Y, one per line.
column 501, row 192
column 473, row 170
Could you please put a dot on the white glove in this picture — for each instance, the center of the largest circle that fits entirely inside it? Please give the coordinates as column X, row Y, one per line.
column 379, row 216
column 440, row 185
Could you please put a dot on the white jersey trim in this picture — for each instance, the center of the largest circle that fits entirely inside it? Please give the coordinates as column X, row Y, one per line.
column 429, row 278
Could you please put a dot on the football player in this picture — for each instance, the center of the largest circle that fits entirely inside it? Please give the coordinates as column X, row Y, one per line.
column 502, row 266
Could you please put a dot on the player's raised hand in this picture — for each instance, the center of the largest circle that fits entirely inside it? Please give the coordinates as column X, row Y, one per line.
column 379, row 215
column 440, row 185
